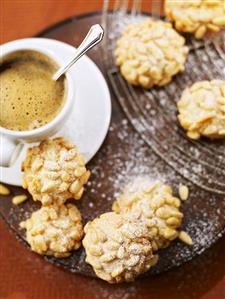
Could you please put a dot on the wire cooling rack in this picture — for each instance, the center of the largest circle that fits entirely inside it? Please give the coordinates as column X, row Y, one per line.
column 153, row 112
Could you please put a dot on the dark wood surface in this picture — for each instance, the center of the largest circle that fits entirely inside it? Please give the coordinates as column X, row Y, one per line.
column 25, row 275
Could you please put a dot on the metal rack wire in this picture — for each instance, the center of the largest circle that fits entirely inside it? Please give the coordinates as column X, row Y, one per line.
column 153, row 112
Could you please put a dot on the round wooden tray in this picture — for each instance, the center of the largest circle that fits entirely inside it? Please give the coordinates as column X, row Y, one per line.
column 123, row 156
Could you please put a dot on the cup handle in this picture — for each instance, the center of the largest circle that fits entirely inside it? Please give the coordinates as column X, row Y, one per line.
column 9, row 151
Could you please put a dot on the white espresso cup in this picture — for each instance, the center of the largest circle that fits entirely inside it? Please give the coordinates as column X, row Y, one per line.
column 11, row 142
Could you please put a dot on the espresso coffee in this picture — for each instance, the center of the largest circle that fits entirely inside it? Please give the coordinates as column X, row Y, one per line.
column 29, row 96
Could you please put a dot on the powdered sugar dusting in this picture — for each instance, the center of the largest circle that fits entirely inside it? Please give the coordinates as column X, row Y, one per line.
column 125, row 155
column 131, row 158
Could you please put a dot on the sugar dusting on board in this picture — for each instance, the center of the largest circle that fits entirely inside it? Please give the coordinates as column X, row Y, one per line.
column 136, row 163
column 118, row 163
column 153, row 113
column 139, row 162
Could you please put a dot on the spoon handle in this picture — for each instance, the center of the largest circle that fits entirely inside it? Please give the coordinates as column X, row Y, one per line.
column 93, row 37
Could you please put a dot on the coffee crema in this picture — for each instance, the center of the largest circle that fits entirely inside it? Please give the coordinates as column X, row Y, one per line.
column 29, row 97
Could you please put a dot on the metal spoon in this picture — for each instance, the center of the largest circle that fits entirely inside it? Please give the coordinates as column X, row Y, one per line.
column 93, row 37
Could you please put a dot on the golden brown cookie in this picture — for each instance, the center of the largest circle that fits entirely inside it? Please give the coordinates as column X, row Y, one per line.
column 196, row 16
column 54, row 171
column 152, row 201
column 117, row 247
column 202, row 109
column 150, row 53
column 54, row 230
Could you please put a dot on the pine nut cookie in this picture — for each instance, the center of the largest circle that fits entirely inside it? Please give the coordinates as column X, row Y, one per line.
column 54, row 230
column 202, row 109
column 150, row 53
column 196, row 16
column 153, row 201
column 117, row 247
column 54, row 172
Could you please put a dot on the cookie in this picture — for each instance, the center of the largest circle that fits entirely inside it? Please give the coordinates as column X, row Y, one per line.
column 150, row 53
column 54, row 171
column 118, row 248
column 155, row 203
column 202, row 109
column 196, row 16
column 54, row 230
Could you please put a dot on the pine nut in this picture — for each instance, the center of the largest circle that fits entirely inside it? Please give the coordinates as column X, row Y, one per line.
column 183, row 192
column 4, row 190
column 19, row 199
column 184, row 237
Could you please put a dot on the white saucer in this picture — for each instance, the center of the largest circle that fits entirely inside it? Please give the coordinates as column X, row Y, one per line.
column 88, row 124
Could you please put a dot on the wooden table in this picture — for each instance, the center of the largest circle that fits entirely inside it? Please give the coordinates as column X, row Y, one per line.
column 24, row 275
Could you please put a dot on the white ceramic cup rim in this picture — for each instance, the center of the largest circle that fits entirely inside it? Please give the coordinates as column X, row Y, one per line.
column 68, row 87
